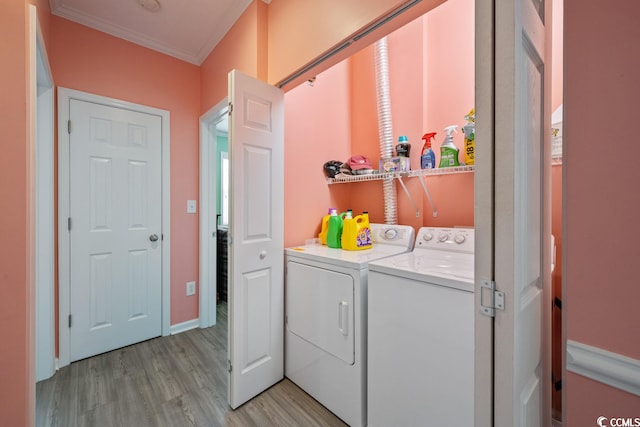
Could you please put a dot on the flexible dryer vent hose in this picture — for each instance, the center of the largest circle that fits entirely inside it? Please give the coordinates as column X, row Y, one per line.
column 385, row 130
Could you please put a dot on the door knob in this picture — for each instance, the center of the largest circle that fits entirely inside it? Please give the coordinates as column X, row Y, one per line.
column 153, row 237
column 263, row 254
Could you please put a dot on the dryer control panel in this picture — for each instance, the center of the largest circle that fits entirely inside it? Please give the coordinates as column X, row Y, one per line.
column 397, row 235
column 446, row 239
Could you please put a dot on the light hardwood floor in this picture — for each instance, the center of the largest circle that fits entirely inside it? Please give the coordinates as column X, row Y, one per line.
column 174, row 381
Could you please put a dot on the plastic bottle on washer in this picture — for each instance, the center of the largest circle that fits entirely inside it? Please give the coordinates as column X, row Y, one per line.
column 334, row 230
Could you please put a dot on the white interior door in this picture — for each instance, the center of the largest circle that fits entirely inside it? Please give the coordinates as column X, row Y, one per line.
column 115, row 227
column 522, row 214
column 256, row 237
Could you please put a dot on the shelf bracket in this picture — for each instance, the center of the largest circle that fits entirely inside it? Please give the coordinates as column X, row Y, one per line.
column 406, row 190
column 423, row 180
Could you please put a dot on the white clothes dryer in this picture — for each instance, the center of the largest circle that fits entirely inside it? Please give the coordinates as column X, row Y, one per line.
column 421, row 333
column 326, row 319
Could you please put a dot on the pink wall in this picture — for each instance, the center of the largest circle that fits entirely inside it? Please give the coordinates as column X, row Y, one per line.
column 588, row 399
column 16, row 317
column 557, row 53
column 601, row 228
column 17, row 177
column 243, row 48
column 449, row 94
column 319, row 134
column 301, row 31
column 91, row 61
column 405, row 50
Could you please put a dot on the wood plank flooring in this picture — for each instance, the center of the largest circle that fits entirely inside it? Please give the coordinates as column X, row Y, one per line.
column 174, row 381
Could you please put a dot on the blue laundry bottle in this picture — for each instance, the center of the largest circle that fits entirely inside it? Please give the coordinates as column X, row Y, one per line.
column 428, row 158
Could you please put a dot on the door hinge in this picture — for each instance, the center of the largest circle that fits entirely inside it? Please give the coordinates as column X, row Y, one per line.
column 68, row 126
column 69, row 320
column 162, row 236
column 69, row 223
column 496, row 298
column 230, row 108
column 230, row 368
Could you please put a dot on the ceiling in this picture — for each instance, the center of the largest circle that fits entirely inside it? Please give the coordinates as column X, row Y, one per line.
column 185, row 29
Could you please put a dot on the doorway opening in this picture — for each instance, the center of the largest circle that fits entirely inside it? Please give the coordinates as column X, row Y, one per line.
column 45, row 228
column 450, row 77
column 214, row 211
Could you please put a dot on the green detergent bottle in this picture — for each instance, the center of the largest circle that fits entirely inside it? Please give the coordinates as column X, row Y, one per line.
column 334, row 229
column 448, row 150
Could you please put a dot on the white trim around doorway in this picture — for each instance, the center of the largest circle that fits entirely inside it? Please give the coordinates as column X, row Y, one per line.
column 208, row 257
column 41, row 84
column 64, row 97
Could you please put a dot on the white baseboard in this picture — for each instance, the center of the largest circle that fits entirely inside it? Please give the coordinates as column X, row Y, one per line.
column 604, row 366
column 185, row 326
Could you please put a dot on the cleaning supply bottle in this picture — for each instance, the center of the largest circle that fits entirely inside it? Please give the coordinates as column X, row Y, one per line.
column 470, row 137
column 324, row 227
column 364, row 234
column 356, row 233
column 403, row 149
column 349, row 232
column 334, row 230
column 428, row 158
column 448, row 150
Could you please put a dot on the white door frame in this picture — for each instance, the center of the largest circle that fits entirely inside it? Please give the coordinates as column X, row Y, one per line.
column 41, row 82
column 484, row 212
column 207, row 301
column 64, row 97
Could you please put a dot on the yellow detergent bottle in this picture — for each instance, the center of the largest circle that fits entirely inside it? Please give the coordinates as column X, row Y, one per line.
column 364, row 234
column 324, row 228
column 356, row 233
column 469, row 137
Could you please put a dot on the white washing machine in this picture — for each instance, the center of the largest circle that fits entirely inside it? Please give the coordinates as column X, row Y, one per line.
column 421, row 333
column 326, row 319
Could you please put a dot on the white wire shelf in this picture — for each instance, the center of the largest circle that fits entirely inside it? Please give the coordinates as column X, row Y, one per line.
column 418, row 172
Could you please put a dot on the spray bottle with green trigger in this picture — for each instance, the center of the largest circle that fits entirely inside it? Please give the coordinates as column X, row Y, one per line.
column 448, row 150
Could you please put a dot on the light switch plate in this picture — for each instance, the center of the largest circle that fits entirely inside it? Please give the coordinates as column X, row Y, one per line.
column 191, row 206
column 191, row 288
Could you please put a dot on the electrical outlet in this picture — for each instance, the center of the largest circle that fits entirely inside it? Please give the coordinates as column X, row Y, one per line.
column 191, row 206
column 191, row 288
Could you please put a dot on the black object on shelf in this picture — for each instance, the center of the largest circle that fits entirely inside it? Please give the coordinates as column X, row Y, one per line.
column 222, row 264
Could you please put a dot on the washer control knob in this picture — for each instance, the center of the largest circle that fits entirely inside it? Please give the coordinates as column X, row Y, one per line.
column 427, row 236
column 443, row 237
column 460, row 238
column 390, row 233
